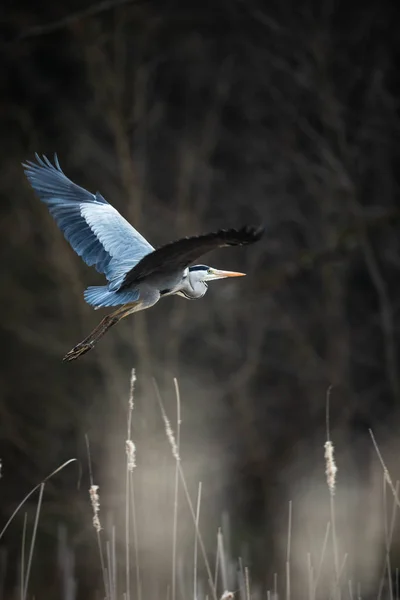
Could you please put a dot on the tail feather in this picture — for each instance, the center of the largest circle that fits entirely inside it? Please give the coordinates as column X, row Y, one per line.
column 100, row 295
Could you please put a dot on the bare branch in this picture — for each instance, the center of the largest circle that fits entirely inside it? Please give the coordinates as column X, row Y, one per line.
column 95, row 9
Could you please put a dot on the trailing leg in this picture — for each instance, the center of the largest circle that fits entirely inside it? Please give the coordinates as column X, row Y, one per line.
column 89, row 342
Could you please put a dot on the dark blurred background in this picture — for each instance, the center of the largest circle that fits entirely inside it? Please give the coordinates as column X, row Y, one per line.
column 191, row 116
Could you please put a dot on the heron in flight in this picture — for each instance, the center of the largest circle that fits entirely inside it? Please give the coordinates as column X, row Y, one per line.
column 138, row 275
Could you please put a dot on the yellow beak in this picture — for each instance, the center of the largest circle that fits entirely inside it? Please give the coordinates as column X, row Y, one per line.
column 216, row 274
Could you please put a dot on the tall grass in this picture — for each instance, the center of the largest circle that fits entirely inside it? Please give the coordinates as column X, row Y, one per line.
column 208, row 583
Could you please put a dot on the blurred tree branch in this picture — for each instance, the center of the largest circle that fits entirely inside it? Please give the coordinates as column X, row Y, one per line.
column 90, row 11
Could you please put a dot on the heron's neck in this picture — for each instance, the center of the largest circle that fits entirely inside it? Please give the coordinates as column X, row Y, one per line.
column 193, row 289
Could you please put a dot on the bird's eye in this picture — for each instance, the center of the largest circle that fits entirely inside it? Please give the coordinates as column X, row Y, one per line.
column 209, row 271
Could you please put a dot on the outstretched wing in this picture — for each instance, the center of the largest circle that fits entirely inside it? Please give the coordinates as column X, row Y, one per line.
column 180, row 254
column 94, row 228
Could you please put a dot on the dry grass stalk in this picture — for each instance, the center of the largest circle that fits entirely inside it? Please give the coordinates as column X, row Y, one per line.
column 175, row 453
column 385, row 470
column 33, row 490
column 217, row 562
column 129, row 444
column 130, row 504
column 171, row 437
column 33, row 540
column 95, row 502
column 132, row 388
column 330, row 471
column 222, row 562
column 289, row 543
column 389, row 530
column 195, row 543
column 247, row 583
column 22, row 586
column 330, row 467
column 323, row 551
column 131, row 455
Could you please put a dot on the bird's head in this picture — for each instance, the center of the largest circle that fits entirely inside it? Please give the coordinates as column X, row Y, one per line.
column 204, row 273
column 195, row 278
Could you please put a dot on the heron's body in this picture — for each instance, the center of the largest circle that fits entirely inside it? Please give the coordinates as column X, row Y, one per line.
column 138, row 275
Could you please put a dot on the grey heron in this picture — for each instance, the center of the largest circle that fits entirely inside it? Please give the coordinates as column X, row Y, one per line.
column 138, row 275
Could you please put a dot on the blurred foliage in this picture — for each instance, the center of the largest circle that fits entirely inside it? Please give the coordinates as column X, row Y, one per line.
column 188, row 117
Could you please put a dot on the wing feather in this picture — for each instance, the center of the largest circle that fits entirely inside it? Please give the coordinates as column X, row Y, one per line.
column 94, row 228
column 181, row 253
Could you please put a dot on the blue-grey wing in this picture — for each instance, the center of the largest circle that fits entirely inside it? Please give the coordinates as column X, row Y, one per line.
column 94, row 228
